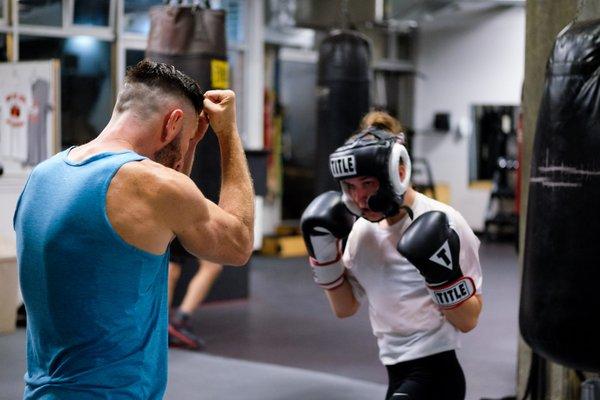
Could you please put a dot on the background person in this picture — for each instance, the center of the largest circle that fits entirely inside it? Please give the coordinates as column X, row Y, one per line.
column 181, row 331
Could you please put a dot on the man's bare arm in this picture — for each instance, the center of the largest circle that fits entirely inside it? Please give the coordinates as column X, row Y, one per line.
column 203, row 228
column 223, row 233
column 237, row 193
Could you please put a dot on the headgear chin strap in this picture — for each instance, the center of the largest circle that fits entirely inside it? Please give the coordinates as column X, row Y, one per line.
column 377, row 153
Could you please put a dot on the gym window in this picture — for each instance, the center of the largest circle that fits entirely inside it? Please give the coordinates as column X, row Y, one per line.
column 94, row 42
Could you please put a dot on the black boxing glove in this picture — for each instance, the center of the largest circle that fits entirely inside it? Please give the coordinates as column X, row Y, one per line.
column 324, row 224
column 433, row 247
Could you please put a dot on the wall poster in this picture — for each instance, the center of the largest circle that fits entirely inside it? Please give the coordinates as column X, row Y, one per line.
column 29, row 115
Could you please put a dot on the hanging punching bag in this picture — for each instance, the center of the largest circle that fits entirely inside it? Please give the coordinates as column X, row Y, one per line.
column 560, row 299
column 343, row 96
column 193, row 39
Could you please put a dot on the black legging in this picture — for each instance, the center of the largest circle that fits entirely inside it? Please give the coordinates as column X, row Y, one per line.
column 436, row 377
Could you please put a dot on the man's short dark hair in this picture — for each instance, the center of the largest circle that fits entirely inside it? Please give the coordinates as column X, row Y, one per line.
column 165, row 77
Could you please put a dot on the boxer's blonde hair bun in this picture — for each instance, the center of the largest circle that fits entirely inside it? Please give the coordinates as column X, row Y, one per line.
column 381, row 120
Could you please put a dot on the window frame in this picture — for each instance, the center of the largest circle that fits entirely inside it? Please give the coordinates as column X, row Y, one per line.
column 69, row 17
column 17, row 23
column 3, row 15
column 251, row 50
column 69, row 28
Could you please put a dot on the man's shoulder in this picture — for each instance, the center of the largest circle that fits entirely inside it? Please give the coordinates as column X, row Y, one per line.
column 149, row 171
column 150, row 179
column 48, row 165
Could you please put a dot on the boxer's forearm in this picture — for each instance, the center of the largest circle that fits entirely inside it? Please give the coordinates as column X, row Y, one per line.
column 342, row 300
column 465, row 316
column 237, row 193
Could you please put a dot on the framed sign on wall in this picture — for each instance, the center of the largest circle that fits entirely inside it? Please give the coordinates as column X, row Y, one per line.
column 29, row 115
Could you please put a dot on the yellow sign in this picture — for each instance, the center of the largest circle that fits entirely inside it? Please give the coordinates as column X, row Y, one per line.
column 219, row 74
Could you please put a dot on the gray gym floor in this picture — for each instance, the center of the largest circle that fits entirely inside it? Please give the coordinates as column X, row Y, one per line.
column 284, row 343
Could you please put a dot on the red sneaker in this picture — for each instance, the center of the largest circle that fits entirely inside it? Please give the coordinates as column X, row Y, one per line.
column 183, row 337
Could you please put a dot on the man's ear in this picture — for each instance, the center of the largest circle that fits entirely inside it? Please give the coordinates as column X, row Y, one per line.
column 202, row 126
column 173, row 124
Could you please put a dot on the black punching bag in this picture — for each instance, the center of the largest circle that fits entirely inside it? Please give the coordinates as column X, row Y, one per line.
column 343, row 96
column 193, row 39
column 560, row 296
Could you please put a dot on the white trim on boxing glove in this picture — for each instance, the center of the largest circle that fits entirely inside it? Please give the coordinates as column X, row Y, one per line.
column 326, row 247
column 328, row 275
column 453, row 294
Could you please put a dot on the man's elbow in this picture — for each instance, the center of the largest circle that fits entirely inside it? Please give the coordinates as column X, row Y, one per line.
column 242, row 255
column 240, row 259
column 243, row 248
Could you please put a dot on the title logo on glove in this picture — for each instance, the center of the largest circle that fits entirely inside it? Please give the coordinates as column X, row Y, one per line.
column 443, row 256
column 343, row 166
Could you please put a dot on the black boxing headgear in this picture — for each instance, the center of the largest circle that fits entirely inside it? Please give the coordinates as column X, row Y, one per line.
column 373, row 152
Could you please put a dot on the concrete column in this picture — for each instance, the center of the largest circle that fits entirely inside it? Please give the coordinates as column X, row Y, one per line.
column 545, row 19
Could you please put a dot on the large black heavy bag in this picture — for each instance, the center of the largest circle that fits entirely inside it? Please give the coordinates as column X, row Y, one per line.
column 560, row 297
column 343, row 84
column 193, row 39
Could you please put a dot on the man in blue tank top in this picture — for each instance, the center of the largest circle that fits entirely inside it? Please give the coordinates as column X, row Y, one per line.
column 93, row 226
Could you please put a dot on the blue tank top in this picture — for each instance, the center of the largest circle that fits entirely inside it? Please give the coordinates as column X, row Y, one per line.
column 96, row 305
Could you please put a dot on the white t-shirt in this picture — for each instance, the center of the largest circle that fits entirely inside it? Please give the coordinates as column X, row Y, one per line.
column 15, row 105
column 405, row 320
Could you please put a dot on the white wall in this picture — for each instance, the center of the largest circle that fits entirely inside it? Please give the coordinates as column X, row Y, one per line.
column 474, row 57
